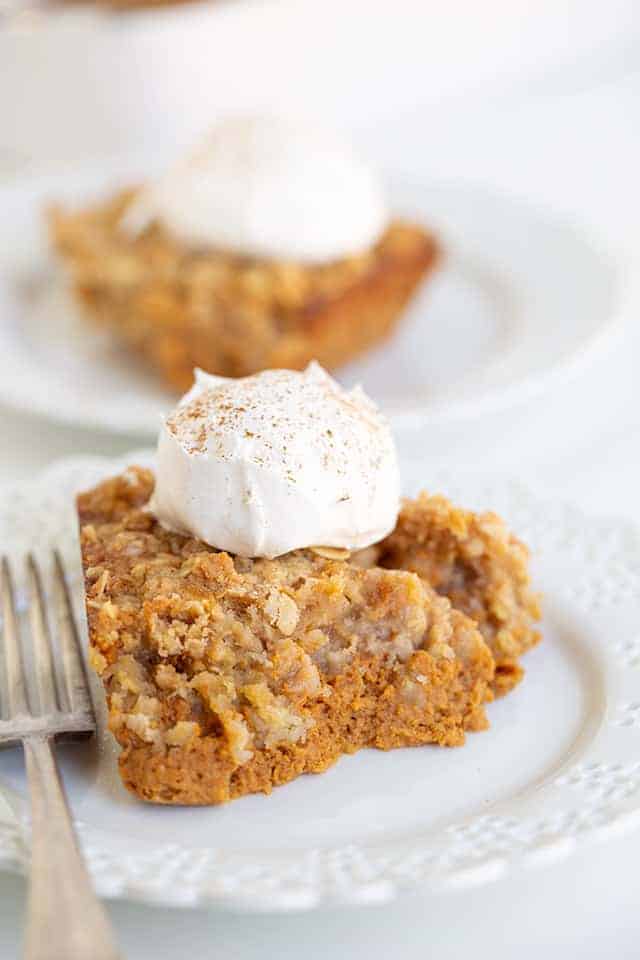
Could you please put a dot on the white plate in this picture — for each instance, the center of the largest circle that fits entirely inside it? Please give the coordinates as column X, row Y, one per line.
column 520, row 301
column 559, row 767
column 89, row 59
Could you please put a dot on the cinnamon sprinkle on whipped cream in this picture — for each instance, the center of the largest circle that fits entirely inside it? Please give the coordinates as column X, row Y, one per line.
column 281, row 460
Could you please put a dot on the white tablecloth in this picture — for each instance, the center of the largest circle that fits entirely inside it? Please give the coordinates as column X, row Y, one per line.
column 578, row 153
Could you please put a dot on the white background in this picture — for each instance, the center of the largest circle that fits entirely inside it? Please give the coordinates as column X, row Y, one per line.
column 538, row 101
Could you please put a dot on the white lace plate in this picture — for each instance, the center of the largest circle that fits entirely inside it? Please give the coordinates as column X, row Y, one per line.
column 520, row 302
column 559, row 767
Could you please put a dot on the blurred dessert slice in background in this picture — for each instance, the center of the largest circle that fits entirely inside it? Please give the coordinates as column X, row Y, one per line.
column 269, row 246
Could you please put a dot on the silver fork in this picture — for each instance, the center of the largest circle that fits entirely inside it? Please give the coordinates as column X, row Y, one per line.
column 65, row 919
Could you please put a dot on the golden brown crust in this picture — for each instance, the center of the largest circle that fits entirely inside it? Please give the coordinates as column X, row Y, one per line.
column 226, row 676
column 181, row 308
column 366, row 710
column 474, row 561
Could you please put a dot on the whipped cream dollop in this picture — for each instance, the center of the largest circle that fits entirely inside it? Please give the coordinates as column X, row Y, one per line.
column 280, row 460
column 270, row 187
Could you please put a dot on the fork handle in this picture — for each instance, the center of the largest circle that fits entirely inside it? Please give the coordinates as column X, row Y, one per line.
column 65, row 919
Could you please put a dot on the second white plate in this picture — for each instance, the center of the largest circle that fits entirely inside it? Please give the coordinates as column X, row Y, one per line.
column 520, row 300
column 558, row 768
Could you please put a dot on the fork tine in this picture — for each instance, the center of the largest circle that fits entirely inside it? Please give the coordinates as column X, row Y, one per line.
column 41, row 638
column 76, row 680
column 17, row 699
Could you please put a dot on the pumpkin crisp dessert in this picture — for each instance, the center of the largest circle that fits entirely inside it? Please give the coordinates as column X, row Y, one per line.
column 269, row 247
column 263, row 603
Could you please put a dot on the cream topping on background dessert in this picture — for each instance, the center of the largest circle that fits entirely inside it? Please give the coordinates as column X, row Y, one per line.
column 270, row 187
column 280, row 460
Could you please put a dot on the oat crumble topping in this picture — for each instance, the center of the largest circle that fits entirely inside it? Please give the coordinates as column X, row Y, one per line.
column 226, row 676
